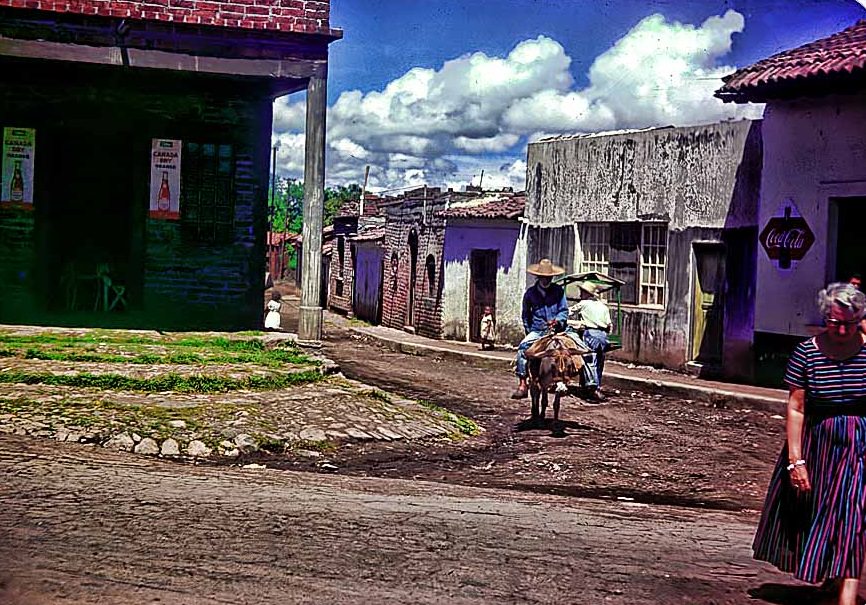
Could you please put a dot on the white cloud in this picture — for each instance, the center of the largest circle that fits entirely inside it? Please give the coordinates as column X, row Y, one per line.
column 443, row 126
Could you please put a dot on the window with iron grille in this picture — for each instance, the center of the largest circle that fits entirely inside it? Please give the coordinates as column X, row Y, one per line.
column 207, row 209
column 653, row 255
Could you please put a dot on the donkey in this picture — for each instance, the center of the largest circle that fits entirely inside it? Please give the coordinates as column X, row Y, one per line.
column 554, row 364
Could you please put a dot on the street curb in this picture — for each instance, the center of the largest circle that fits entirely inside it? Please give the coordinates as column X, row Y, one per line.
column 715, row 396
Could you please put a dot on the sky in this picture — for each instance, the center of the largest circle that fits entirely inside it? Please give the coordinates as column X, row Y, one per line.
column 436, row 91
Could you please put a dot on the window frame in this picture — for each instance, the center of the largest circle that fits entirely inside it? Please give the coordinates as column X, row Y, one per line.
column 651, row 266
column 595, row 243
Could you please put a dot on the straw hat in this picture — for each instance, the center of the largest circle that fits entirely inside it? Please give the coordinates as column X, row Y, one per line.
column 589, row 287
column 545, row 268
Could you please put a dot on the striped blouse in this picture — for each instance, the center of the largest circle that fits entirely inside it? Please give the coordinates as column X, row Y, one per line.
column 826, row 379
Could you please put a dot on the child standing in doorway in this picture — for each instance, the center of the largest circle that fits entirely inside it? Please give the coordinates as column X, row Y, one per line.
column 488, row 329
column 272, row 319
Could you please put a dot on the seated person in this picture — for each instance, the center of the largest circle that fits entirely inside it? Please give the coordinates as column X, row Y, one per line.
column 594, row 320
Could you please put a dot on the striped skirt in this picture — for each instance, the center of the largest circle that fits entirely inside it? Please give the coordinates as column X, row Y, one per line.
column 819, row 535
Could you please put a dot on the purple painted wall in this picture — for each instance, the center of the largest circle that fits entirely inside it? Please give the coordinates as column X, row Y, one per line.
column 461, row 238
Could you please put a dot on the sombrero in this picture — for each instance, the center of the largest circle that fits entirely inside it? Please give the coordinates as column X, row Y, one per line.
column 589, row 287
column 545, row 268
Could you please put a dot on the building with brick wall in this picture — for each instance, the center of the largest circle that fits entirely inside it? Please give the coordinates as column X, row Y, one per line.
column 136, row 140
column 415, row 287
column 350, row 220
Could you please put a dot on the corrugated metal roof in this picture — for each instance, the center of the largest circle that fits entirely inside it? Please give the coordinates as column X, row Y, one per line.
column 499, row 207
column 842, row 54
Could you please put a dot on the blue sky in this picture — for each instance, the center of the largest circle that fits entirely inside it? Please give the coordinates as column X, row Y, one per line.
column 433, row 92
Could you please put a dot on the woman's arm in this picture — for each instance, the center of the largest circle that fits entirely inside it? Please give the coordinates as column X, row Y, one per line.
column 794, row 428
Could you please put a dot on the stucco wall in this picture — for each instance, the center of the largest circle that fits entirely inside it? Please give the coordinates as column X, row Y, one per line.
column 698, row 176
column 508, row 239
column 814, row 150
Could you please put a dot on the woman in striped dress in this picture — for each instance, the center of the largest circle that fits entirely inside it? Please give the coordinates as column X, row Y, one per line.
column 814, row 519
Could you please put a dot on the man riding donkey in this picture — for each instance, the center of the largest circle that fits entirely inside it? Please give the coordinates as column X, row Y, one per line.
column 545, row 311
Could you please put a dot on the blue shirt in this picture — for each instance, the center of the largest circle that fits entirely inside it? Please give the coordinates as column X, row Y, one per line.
column 540, row 306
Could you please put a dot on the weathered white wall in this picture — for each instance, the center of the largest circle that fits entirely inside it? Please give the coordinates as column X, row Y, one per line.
column 461, row 237
column 690, row 176
column 814, row 150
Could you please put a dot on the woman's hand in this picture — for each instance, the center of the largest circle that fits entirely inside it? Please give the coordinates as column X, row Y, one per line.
column 800, row 478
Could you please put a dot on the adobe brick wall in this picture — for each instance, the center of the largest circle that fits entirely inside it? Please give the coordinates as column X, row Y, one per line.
column 402, row 220
column 340, row 299
column 209, row 285
column 299, row 16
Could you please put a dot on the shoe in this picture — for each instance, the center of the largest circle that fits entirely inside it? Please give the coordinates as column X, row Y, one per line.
column 520, row 393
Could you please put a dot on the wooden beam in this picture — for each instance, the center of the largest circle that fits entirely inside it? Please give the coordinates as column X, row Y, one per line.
column 310, row 312
column 271, row 69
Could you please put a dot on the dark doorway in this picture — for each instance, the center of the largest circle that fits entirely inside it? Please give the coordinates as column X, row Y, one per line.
column 850, row 217
column 482, row 288
column 708, row 306
column 89, row 220
column 413, row 273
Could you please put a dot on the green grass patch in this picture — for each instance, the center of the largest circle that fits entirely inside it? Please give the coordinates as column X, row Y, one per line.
column 186, row 350
column 166, row 382
column 465, row 425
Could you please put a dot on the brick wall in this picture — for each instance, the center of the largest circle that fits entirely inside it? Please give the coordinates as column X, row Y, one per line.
column 197, row 285
column 300, row 16
column 17, row 251
column 340, row 291
column 402, row 220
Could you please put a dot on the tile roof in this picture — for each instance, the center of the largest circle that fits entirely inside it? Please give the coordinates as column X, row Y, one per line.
column 499, row 207
column 841, row 54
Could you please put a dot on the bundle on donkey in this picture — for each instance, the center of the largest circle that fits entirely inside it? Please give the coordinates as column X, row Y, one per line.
column 555, row 364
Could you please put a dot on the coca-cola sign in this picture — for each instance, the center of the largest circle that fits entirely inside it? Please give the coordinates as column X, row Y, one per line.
column 787, row 238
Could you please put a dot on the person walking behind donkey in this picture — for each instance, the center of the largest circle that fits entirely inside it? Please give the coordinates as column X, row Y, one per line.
column 813, row 523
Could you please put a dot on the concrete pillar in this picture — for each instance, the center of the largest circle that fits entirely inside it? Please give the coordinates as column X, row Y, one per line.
column 310, row 313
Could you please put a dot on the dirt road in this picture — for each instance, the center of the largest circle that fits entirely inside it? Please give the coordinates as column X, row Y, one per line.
column 652, row 449
column 83, row 525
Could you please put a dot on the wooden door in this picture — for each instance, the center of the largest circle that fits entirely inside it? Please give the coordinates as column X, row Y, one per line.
column 368, row 283
column 708, row 306
column 482, row 288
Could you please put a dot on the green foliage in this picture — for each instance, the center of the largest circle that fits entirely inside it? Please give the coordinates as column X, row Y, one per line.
column 286, row 211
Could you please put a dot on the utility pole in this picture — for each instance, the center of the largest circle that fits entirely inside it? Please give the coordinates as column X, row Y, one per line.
column 481, row 180
column 363, row 191
column 310, row 311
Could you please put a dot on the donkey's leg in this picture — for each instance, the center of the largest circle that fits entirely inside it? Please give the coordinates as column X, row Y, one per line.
column 534, row 394
column 556, row 398
column 543, row 403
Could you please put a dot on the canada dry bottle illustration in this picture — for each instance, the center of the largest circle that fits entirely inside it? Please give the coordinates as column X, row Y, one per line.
column 16, row 185
column 163, row 198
